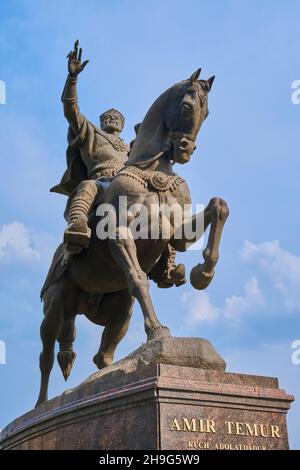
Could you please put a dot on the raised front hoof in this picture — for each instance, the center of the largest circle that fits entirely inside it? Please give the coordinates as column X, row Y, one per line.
column 158, row 332
column 199, row 278
column 102, row 361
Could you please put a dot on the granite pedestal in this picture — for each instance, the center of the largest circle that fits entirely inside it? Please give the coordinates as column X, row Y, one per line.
column 147, row 402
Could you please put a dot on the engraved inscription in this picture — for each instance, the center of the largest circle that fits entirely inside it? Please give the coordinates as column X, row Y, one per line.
column 236, row 428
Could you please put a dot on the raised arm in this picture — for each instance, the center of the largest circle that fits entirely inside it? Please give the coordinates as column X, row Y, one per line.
column 69, row 95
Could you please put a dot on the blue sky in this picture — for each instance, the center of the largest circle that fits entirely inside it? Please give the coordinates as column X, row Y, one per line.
column 247, row 153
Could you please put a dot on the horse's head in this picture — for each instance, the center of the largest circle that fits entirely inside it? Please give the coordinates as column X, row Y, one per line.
column 185, row 114
column 172, row 123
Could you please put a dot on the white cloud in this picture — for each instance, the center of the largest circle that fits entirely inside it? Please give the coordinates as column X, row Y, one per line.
column 281, row 267
column 237, row 305
column 20, row 243
column 200, row 309
column 16, row 241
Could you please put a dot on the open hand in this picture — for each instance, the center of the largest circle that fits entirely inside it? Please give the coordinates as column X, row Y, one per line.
column 74, row 61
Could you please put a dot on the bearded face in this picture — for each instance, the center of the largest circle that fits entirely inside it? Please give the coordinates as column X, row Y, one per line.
column 111, row 122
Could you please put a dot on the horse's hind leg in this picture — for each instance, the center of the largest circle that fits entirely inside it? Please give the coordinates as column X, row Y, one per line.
column 124, row 251
column 66, row 356
column 50, row 328
column 115, row 313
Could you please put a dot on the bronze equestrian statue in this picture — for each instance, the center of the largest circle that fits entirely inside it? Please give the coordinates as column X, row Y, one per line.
column 101, row 277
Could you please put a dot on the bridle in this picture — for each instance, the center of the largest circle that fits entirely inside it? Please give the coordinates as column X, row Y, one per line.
column 173, row 135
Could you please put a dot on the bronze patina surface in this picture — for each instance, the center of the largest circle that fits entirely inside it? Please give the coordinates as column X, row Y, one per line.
column 101, row 278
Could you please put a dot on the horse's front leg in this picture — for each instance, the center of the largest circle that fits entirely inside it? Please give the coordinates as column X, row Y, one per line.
column 215, row 215
column 124, row 251
column 216, row 212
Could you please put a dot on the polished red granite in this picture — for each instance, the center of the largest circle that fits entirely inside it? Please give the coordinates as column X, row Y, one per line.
column 159, row 407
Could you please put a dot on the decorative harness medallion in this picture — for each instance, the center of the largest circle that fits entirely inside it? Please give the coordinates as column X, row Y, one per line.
column 159, row 181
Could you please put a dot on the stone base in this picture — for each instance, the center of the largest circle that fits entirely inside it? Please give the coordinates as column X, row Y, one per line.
column 141, row 404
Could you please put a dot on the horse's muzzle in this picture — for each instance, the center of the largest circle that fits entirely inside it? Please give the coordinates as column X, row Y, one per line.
column 182, row 150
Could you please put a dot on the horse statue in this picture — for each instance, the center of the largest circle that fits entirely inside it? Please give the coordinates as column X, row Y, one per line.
column 104, row 279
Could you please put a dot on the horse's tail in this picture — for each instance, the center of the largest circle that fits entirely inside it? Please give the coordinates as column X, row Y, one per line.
column 66, row 356
column 60, row 262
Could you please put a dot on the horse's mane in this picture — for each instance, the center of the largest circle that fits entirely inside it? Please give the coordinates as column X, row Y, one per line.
column 152, row 136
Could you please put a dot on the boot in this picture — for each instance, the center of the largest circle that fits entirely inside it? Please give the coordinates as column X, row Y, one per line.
column 166, row 273
column 77, row 235
column 177, row 275
column 174, row 277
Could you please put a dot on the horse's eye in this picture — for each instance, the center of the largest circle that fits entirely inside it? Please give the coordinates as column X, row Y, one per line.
column 187, row 109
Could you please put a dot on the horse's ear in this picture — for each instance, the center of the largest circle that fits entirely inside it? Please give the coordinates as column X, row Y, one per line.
column 210, row 81
column 136, row 127
column 195, row 76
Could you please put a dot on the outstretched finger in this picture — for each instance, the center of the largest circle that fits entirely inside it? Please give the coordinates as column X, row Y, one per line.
column 79, row 55
column 84, row 64
column 76, row 48
column 69, row 55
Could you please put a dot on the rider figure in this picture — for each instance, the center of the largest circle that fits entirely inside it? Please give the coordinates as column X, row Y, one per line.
column 94, row 156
